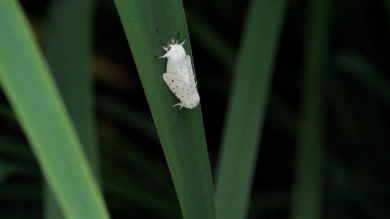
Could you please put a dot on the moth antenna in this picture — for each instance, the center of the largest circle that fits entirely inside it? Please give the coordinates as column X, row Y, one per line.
column 185, row 38
column 177, row 38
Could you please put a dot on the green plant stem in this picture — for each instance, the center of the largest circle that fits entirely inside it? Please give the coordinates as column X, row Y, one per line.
column 69, row 52
column 308, row 192
column 247, row 108
column 31, row 91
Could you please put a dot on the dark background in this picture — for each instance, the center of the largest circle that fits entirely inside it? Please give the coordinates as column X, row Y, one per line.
column 135, row 175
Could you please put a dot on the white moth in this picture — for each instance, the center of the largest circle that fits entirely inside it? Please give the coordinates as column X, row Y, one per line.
column 180, row 77
column 176, row 56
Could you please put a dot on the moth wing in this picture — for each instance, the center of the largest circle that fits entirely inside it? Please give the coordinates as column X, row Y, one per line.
column 190, row 70
column 171, row 67
column 189, row 65
column 186, row 93
column 178, row 67
column 177, row 85
column 184, row 70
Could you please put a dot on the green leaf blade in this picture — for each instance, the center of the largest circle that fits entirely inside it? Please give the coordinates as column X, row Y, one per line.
column 31, row 90
column 68, row 51
column 148, row 23
column 247, row 108
column 307, row 200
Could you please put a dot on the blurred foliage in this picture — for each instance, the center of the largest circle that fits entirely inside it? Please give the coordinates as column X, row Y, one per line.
column 69, row 30
column 247, row 108
column 135, row 175
column 38, row 105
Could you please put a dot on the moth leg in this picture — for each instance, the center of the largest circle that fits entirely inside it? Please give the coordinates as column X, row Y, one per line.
column 178, row 104
column 165, row 47
column 184, row 111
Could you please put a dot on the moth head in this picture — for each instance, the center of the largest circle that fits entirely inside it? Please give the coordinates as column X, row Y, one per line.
column 172, row 43
column 174, row 49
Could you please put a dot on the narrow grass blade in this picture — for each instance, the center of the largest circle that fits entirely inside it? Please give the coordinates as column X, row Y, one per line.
column 307, row 198
column 140, row 121
column 69, row 54
column 211, row 40
column 27, row 82
column 247, row 108
column 68, row 48
column 366, row 73
column 148, row 23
